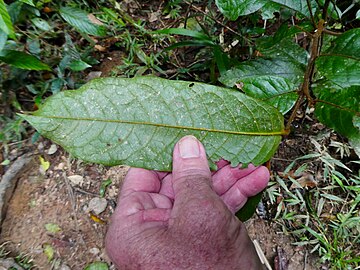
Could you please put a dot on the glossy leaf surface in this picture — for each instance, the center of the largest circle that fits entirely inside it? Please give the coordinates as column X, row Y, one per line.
column 138, row 121
column 272, row 80
column 338, row 86
column 232, row 9
column 22, row 60
column 80, row 20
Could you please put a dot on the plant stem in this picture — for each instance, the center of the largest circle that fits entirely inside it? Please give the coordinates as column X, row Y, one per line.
column 305, row 87
column 293, row 113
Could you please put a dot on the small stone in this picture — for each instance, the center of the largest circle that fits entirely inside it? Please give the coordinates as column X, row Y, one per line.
column 76, row 179
column 40, row 146
column 94, row 251
column 60, row 166
column 9, row 263
column 52, row 150
column 64, row 267
column 97, row 205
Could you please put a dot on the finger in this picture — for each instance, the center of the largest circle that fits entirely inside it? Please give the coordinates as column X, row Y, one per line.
column 246, row 187
column 167, row 187
column 140, row 180
column 222, row 163
column 191, row 173
column 227, row 176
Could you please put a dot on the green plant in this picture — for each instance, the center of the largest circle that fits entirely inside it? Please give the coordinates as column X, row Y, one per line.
column 232, row 126
column 320, row 213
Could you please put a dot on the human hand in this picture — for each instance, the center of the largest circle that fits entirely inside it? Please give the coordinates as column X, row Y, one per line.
column 185, row 220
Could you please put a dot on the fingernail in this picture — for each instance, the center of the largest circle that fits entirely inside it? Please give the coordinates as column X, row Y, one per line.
column 189, row 147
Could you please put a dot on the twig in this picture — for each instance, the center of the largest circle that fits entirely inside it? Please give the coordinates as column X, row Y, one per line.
column 293, row 113
column 261, row 255
column 313, row 55
column 310, row 11
column 72, row 200
column 325, row 9
column 333, row 33
column 337, row 106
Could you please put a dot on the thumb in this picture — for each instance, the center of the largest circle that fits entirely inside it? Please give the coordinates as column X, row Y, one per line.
column 191, row 173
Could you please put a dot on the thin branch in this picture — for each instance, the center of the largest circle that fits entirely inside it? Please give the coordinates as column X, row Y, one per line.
column 333, row 33
column 325, row 9
column 294, row 111
column 337, row 106
column 310, row 11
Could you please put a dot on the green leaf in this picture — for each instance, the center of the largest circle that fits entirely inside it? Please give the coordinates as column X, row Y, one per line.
column 298, row 5
column 41, row 24
column 138, row 121
column 338, row 86
column 268, row 10
column 232, row 9
column 80, row 20
column 78, row 65
column 29, row 2
column 339, row 108
column 339, row 69
column 97, row 266
column 247, row 211
column 183, row 32
column 22, row 60
column 347, row 44
column 3, row 39
column 48, row 251
column 5, row 21
column 285, row 48
column 341, row 62
column 272, row 80
column 52, row 228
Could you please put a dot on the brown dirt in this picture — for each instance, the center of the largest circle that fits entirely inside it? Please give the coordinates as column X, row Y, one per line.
column 41, row 199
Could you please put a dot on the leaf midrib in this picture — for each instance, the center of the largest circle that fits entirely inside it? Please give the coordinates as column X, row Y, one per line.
column 274, row 133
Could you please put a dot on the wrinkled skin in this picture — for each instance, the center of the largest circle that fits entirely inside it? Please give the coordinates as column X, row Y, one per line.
column 185, row 219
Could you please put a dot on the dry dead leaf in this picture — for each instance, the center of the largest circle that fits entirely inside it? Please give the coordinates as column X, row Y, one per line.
column 306, row 180
column 94, row 20
column 100, row 48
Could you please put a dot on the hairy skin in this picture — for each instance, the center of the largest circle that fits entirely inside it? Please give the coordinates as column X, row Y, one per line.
column 185, row 220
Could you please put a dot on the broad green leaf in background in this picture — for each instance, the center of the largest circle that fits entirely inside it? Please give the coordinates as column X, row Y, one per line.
column 29, row 2
column 5, row 21
column 41, row 24
column 80, row 20
column 339, row 108
column 298, row 5
column 268, row 10
column 22, row 60
column 232, row 9
column 285, row 48
column 274, row 81
column 138, row 121
column 338, row 86
column 78, row 65
column 3, row 39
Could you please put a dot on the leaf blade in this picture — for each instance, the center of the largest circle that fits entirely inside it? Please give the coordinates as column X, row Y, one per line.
column 195, row 108
column 22, row 60
column 80, row 20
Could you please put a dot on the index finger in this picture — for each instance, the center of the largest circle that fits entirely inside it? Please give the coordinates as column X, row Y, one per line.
column 140, row 180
